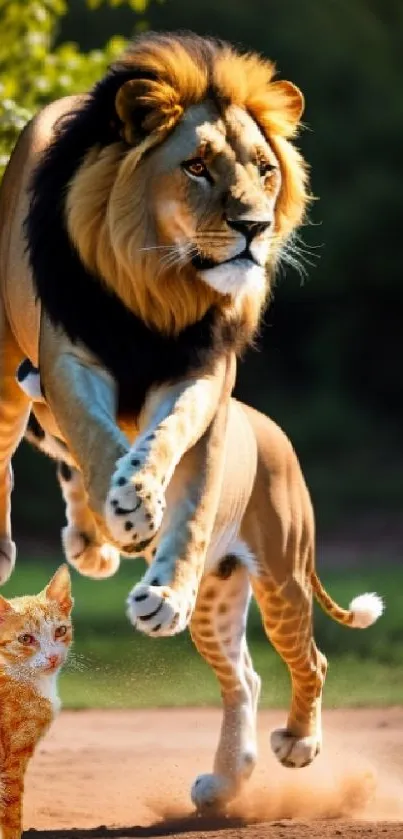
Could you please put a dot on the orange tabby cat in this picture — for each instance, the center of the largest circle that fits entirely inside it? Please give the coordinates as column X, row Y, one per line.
column 35, row 636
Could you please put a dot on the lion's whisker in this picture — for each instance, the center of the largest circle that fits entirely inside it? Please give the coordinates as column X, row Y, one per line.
column 179, row 255
column 159, row 248
column 295, row 253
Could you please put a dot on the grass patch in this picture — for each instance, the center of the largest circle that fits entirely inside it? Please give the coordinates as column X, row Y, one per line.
column 117, row 667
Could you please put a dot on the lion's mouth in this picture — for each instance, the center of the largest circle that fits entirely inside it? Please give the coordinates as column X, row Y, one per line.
column 205, row 263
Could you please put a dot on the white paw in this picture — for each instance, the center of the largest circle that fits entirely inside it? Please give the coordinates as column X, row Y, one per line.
column 211, row 793
column 294, row 752
column 8, row 553
column 134, row 507
column 91, row 559
column 157, row 610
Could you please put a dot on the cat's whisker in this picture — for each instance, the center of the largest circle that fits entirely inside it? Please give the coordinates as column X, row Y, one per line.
column 73, row 663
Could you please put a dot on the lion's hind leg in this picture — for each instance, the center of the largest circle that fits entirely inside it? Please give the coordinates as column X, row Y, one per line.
column 286, row 608
column 218, row 630
column 279, row 528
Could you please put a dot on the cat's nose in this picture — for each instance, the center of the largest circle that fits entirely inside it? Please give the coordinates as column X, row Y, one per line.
column 53, row 661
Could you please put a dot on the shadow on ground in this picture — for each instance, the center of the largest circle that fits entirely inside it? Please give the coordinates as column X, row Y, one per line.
column 167, row 827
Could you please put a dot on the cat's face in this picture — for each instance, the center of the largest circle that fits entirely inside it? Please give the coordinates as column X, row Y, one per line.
column 36, row 631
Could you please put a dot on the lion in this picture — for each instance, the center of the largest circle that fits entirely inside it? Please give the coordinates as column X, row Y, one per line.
column 141, row 225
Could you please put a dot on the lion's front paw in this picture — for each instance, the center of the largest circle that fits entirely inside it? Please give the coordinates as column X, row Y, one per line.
column 7, row 558
column 211, row 793
column 158, row 610
column 294, row 752
column 134, row 507
column 91, row 559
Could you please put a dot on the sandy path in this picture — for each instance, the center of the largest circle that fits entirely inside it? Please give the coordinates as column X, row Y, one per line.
column 128, row 773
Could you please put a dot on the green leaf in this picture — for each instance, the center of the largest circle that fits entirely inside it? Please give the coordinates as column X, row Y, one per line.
column 139, row 6
column 33, row 71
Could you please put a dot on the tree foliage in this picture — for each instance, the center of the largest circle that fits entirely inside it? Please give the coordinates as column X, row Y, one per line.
column 33, row 70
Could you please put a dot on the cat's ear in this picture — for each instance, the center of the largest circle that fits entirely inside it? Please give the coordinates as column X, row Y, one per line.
column 59, row 589
column 6, row 609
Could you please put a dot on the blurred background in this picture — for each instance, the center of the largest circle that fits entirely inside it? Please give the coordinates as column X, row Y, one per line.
column 328, row 363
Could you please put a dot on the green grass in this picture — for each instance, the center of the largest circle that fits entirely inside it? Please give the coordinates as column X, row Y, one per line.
column 121, row 668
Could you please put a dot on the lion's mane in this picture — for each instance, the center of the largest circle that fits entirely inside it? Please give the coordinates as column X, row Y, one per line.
column 84, row 244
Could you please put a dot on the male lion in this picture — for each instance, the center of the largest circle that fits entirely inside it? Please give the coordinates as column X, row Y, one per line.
column 140, row 228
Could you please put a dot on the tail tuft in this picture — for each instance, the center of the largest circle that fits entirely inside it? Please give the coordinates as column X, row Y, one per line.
column 366, row 609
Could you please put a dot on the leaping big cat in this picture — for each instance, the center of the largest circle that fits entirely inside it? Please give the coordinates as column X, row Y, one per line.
column 140, row 229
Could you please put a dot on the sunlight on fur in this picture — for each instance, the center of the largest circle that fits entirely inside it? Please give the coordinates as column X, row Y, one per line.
column 366, row 609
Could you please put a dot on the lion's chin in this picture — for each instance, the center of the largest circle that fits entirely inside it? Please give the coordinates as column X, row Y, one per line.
column 235, row 277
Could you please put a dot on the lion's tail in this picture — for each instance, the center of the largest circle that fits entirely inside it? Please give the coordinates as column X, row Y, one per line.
column 364, row 610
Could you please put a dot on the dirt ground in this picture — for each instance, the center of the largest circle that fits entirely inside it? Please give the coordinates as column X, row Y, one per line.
column 121, row 774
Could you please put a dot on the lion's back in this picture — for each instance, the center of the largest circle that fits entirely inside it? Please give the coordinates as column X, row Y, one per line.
column 280, row 492
column 16, row 284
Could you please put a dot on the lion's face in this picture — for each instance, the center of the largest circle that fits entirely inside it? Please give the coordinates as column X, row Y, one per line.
column 213, row 187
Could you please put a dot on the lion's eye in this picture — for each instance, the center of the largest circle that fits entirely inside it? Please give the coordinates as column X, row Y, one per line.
column 196, row 167
column 265, row 168
column 26, row 639
column 60, row 631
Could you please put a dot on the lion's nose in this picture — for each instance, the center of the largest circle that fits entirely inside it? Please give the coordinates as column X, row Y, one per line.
column 248, row 228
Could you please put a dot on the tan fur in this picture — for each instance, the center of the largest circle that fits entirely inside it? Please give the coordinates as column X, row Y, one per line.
column 131, row 196
column 229, row 477
column 27, row 706
column 112, row 209
column 264, row 492
column 263, row 540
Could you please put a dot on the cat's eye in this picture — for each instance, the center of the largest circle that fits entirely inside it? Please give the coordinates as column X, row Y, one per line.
column 196, row 167
column 265, row 168
column 60, row 631
column 26, row 639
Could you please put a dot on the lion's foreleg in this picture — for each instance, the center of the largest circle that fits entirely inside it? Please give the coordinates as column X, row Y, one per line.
column 174, row 418
column 82, row 399
column 163, row 602
column 84, row 546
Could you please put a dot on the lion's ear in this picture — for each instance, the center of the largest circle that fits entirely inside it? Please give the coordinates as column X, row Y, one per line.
column 277, row 109
column 293, row 101
column 147, row 106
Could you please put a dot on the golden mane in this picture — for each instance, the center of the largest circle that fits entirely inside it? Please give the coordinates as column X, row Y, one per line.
column 171, row 72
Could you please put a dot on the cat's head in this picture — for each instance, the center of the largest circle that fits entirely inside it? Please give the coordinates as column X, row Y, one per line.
column 36, row 631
